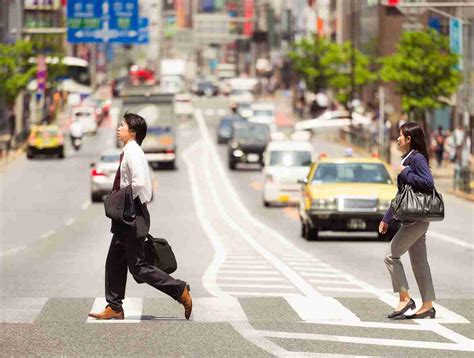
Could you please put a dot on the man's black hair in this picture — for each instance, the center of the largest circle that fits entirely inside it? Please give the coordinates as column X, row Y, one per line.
column 137, row 125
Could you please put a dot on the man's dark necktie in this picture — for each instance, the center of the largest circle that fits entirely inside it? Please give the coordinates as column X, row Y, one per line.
column 116, row 185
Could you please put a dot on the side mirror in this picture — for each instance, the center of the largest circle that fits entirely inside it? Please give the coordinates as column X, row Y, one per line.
column 303, row 181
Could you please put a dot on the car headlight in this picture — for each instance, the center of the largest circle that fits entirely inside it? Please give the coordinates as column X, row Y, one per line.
column 383, row 205
column 324, row 204
column 238, row 153
column 234, row 145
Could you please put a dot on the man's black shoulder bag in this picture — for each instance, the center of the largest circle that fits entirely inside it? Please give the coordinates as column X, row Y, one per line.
column 158, row 253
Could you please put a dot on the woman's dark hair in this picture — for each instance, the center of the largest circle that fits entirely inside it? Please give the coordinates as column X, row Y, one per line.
column 137, row 125
column 417, row 135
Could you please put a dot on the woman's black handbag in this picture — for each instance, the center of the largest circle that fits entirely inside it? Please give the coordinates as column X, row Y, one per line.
column 411, row 205
column 158, row 253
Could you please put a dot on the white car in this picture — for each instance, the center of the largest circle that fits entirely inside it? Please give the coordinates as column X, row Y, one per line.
column 183, row 106
column 263, row 113
column 286, row 162
column 333, row 119
column 87, row 116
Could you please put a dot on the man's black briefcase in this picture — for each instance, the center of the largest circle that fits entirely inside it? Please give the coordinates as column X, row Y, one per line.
column 159, row 254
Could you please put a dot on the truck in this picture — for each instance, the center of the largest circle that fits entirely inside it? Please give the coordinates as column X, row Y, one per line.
column 157, row 109
column 172, row 75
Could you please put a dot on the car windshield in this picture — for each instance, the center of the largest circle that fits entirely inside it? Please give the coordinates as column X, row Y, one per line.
column 263, row 112
column 110, row 158
column 287, row 158
column 351, row 173
column 257, row 132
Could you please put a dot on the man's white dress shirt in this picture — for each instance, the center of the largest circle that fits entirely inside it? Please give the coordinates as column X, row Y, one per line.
column 134, row 170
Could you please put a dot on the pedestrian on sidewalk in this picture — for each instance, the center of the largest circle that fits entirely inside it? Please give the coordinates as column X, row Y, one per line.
column 439, row 139
column 414, row 170
column 127, row 248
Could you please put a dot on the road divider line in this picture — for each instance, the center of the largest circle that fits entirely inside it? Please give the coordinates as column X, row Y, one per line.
column 261, row 294
column 12, row 251
column 70, row 221
column 341, row 289
column 237, row 266
column 450, row 239
column 209, row 278
column 247, row 272
column 336, row 282
column 48, row 234
column 85, row 205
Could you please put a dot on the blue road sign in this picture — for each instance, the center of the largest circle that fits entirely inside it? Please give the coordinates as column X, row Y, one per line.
column 455, row 39
column 97, row 21
column 143, row 31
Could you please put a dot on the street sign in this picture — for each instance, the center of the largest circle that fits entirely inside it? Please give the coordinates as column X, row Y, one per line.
column 143, row 31
column 97, row 21
column 455, row 39
column 41, row 75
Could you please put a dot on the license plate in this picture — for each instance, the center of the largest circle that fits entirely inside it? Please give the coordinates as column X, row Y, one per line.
column 284, row 198
column 356, row 224
column 252, row 158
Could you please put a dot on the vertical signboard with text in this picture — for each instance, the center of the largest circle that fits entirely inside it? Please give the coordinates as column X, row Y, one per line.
column 455, row 39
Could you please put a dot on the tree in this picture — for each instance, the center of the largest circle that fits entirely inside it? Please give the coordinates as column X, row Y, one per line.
column 423, row 70
column 327, row 65
column 308, row 60
column 340, row 71
column 16, row 70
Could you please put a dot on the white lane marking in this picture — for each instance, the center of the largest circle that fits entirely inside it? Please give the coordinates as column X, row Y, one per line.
column 238, row 267
column 262, row 294
column 12, row 251
column 85, row 205
column 243, row 257
column 132, row 307
column 319, row 269
column 253, row 285
column 255, row 279
column 209, row 112
column 249, row 333
column 21, row 309
column 297, row 280
column 48, row 234
column 241, row 262
column 308, row 264
column 70, row 221
column 209, row 278
column 319, row 274
column 245, row 272
column 336, row 282
column 325, row 308
column 370, row 341
column 341, row 289
column 383, row 325
column 221, row 309
column 221, row 112
column 299, row 259
column 450, row 239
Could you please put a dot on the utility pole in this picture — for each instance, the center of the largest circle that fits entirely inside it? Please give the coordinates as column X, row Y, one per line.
column 353, row 39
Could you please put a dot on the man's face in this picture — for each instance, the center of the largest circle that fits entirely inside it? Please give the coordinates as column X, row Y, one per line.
column 124, row 133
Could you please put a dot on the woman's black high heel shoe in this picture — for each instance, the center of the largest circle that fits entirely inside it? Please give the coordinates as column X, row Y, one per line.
column 409, row 306
column 431, row 313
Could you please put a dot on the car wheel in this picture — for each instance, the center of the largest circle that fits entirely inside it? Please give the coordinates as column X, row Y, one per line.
column 266, row 203
column 311, row 234
column 61, row 154
column 172, row 165
column 303, row 229
column 232, row 165
column 29, row 155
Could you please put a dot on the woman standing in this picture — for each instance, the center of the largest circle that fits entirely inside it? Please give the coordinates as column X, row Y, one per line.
column 414, row 170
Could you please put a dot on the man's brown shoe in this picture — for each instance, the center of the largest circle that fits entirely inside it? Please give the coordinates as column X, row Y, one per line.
column 108, row 313
column 187, row 302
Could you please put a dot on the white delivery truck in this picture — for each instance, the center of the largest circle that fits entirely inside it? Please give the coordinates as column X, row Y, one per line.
column 172, row 75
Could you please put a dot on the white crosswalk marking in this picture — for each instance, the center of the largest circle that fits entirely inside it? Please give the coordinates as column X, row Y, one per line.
column 131, row 306
column 20, row 309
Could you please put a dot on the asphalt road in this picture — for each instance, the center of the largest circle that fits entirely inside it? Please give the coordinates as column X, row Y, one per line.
column 259, row 289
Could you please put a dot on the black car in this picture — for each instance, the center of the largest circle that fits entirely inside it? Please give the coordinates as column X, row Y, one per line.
column 207, row 88
column 224, row 130
column 248, row 143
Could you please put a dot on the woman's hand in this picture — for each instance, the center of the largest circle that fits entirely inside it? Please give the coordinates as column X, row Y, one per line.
column 401, row 168
column 383, row 227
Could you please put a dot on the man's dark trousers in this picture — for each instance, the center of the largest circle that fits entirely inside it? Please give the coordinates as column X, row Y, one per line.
column 128, row 250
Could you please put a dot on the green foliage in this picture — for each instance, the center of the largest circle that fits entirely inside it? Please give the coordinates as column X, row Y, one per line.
column 15, row 70
column 423, row 70
column 324, row 64
column 308, row 59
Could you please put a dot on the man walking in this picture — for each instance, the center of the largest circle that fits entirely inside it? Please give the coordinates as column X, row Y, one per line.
column 127, row 246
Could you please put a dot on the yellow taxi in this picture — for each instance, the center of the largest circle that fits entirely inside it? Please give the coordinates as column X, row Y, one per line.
column 345, row 194
column 45, row 139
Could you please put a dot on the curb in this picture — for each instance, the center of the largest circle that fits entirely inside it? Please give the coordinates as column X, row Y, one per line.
column 461, row 194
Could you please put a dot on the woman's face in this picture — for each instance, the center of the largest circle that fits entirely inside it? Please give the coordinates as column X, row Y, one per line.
column 404, row 143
